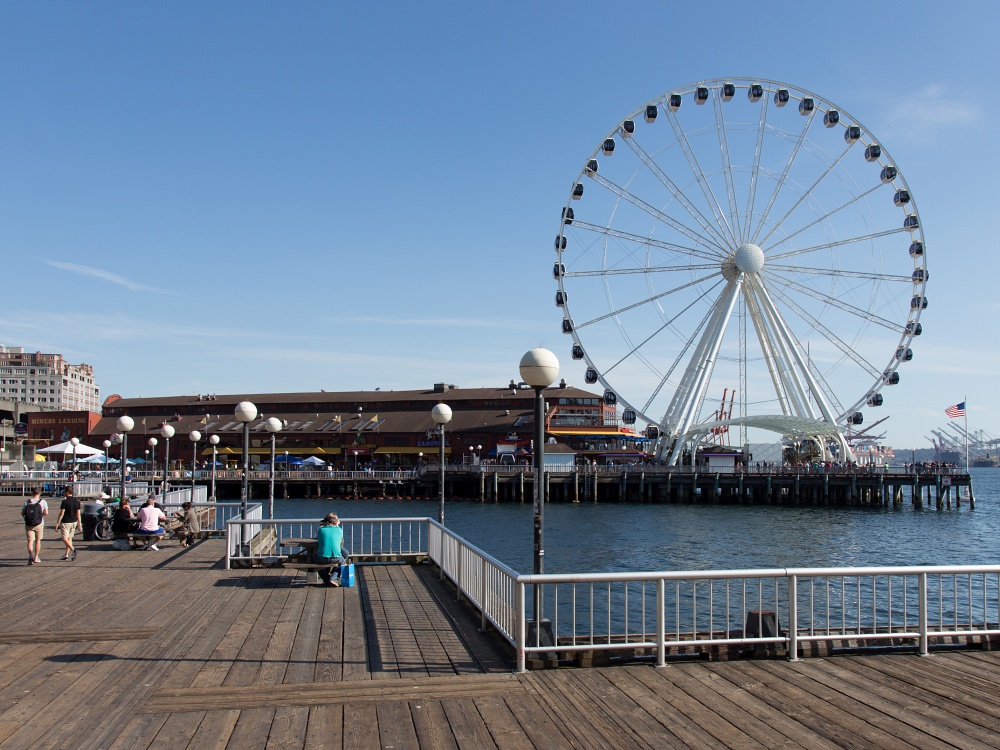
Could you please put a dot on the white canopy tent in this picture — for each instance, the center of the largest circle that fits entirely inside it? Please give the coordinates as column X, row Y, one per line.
column 67, row 449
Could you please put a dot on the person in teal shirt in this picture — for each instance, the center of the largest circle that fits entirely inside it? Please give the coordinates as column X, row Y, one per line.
column 330, row 546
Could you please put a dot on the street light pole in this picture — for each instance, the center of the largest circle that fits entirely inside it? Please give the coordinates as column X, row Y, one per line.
column 539, row 368
column 152, row 444
column 107, row 449
column 125, row 423
column 195, row 437
column 167, row 432
column 246, row 412
column 74, row 442
column 214, row 440
column 441, row 414
column 273, row 425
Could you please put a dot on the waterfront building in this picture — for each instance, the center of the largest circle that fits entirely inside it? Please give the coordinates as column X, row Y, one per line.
column 358, row 429
column 47, row 380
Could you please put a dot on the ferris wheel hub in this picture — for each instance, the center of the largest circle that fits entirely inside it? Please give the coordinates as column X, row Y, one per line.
column 749, row 258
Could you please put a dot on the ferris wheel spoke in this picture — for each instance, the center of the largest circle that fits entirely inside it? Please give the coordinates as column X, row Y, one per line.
column 681, row 354
column 805, row 194
column 829, row 335
column 824, row 217
column 639, row 239
column 642, row 302
column 699, row 175
column 835, row 273
column 755, row 170
column 642, row 270
column 727, row 166
column 678, row 194
column 654, row 212
column 836, row 302
column 784, row 175
column 837, row 243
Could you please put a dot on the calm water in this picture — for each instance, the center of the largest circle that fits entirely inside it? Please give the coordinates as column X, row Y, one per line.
column 591, row 538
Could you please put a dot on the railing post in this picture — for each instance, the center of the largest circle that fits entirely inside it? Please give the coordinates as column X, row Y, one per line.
column 458, row 572
column 519, row 629
column 923, row 651
column 793, row 618
column 228, row 544
column 661, row 623
column 482, row 594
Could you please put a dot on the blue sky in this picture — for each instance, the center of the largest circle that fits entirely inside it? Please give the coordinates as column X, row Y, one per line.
column 250, row 197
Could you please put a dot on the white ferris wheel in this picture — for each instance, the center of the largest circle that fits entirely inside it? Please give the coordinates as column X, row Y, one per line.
column 744, row 237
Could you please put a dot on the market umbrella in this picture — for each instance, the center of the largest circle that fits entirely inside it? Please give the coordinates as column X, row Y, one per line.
column 67, row 449
column 314, row 461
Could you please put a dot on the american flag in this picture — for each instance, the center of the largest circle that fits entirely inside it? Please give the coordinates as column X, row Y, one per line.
column 958, row 410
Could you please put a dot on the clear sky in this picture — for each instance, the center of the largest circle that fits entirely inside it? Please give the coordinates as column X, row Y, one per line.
column 255, row 196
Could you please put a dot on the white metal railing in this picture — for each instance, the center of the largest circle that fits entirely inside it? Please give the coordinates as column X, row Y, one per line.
column 265, row 538
column 654, row 611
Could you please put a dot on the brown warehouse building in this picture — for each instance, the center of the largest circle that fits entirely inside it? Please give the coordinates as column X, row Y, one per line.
column 349, row 430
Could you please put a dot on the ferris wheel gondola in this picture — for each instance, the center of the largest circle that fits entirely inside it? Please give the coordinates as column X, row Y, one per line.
column 746, row 242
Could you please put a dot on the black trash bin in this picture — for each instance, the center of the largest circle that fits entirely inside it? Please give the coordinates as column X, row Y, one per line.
column 90, row 515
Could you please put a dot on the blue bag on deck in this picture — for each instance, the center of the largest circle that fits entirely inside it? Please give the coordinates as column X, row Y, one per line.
column 347, row 574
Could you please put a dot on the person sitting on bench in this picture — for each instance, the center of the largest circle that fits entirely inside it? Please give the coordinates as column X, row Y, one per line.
column 150, row 519
column 330, row 547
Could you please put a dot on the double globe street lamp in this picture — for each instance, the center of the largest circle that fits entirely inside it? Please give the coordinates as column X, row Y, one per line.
column 441, row 414
column 107, row 449
column 74, row 442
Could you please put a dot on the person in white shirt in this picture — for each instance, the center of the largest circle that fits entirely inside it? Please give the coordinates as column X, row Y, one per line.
column 150, row 518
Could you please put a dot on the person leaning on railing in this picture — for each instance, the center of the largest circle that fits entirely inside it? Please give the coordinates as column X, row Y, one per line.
column 329, row 547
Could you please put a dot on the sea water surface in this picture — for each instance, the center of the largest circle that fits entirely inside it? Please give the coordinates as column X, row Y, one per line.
column 606, row 537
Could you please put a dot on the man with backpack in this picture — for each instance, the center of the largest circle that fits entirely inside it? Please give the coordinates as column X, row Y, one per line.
column 34, row 512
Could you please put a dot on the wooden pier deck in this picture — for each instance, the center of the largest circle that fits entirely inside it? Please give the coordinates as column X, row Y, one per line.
column 126, row 650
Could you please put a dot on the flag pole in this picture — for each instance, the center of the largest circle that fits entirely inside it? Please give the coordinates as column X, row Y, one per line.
column 966, row 434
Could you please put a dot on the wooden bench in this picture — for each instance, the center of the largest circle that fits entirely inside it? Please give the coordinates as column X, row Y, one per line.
column 312, row 569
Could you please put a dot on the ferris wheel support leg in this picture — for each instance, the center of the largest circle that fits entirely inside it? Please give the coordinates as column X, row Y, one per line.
column 796, row 353
column 702, row 371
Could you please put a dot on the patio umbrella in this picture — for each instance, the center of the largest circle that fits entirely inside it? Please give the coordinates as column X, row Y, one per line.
column 314, row 461
column 293, row 460
column 67, row 449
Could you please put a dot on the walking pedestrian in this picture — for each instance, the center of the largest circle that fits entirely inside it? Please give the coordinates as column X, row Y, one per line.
column 34, row 512
column 68, row 521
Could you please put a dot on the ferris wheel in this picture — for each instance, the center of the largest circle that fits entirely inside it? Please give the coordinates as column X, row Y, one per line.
column 744, row 237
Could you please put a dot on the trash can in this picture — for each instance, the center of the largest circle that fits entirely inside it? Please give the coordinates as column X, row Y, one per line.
column 90, row 514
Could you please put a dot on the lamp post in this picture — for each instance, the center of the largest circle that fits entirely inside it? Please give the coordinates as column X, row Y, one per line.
column 246, row 412
column 125, row 423
column 273, row 425
column 441, row 414
column 167, row 432
column 107, row 449
column 214, row 440
column 195, row 437
column 539, row 369
column 152, row 446
column 74, row 442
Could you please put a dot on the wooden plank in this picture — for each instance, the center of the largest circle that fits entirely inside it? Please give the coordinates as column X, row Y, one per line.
column 329, row 665
column 395, row 726
column 72, row 636
column 325, row 727
column 214, row 731
column 361, row 727
column 467, row 724
column 251, row 730
column 431, row 725
column 288, row 730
